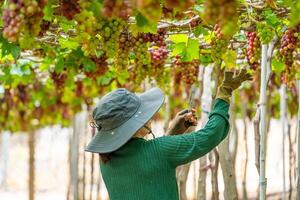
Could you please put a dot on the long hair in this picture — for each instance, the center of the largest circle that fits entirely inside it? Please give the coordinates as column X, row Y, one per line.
column 105, row 157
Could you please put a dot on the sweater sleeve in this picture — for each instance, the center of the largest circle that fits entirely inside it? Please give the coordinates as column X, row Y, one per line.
column 181, row 149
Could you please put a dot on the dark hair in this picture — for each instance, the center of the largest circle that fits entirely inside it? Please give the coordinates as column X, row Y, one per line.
column 105, row 157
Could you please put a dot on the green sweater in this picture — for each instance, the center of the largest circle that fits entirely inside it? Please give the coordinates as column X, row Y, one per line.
column 145, row 169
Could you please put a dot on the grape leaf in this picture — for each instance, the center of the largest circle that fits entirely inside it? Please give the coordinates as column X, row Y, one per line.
column 229, row 58
column 205, row 59
column 9, row 48
column 48, row 11
column 123, row 76
column 298, row 75
column 271, row 17
column 200, row 31
column 192, row 49
column 178, row 38
column 143, row 25
column 295, row 9
column 186, row 47
column 59, row 66
column 65, row 24
column 178, row 48
column 277, row 66
column 105, row 79
column 68, row 43
column 88, row 64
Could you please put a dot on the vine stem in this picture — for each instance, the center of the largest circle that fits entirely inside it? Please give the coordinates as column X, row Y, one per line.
column 283, row 120
column 298, row 144
column 262, row 125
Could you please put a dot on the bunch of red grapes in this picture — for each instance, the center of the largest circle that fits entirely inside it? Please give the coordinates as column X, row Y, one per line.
column 157, row 39
column 69, row 8
column 253, row 49
column 21, row 15
column 158, row 55
column 158, row 58
column 45, row 25
column 101, row 67
column 13, row 19
column 188, row 71
column 59, row 79
column 117, row 8
column 179, row 4
column 22, row 93
column 288, row 45
column 79, row 89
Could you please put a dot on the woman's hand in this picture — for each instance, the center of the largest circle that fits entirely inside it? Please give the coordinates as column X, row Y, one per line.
column 183, row 120
column 232, row 82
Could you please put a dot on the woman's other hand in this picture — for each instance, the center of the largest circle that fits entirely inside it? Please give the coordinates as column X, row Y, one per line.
column 183, row 120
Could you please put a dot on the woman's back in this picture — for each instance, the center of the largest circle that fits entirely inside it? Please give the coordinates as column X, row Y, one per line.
column 137, row 171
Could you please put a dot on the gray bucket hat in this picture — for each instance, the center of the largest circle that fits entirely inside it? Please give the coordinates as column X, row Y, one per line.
column 119, row 114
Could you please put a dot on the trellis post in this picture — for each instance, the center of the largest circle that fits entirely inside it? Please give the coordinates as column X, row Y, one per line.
column 298, row 143
column 262, row 124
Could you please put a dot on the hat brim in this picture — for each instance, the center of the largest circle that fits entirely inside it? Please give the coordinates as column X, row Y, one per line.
column 108, row 141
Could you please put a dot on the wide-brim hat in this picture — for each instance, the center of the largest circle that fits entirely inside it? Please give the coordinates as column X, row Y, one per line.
column 119, row 115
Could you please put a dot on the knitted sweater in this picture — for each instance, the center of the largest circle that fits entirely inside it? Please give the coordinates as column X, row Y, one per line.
column 145, row 169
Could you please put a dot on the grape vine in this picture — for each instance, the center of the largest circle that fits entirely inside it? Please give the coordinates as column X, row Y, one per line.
column 24, row 17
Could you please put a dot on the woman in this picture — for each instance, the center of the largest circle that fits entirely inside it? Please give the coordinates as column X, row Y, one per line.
column 137, row 169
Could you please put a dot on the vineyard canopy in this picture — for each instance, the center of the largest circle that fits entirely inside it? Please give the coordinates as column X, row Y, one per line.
column 57, row 55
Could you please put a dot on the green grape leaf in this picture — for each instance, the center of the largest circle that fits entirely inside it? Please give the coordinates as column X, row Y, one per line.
column 48, row 11
column 205, row 59
column 178, row 48
column 277, row 66
column 65, row 24
column 9, row 48
column 59, row 65
column 88, row 64
column 143, row 25
column 105, row 79
column 95, row 7
column 45, row 65
column 229, row 58
column 178, row 38
column 123, row 76
column 186, row 47
column 192, row 49
column 68, row 43
column 298, row 75
column 200, row 31
column 295, row 10
column 271, row 18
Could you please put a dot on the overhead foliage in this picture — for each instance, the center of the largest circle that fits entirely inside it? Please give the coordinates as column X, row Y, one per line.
column 57, row 55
